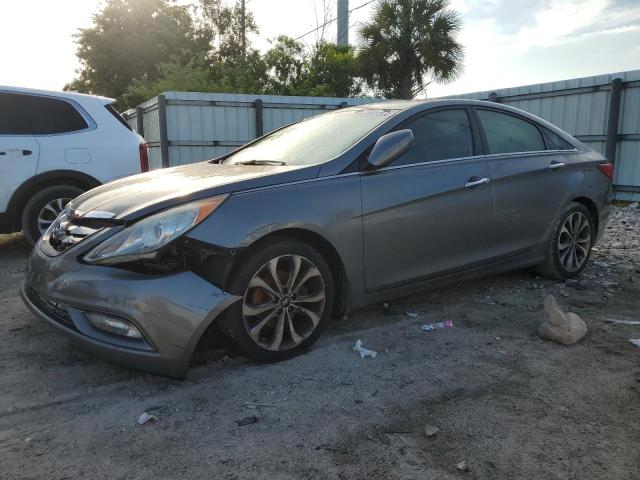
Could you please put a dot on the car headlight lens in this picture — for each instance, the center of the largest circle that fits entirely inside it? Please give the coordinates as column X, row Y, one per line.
column 143, row 239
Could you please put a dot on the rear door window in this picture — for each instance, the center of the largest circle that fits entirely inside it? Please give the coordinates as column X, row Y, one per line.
column 438, row 136
column 37, row 115
column 509, row 134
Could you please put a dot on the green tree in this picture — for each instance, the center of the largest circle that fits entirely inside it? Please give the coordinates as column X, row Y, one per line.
column 333, row 71
column 286, row 64
column 129, row 39
column 407, row 41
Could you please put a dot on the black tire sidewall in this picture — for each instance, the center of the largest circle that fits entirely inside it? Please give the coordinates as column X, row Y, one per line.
column 248, row 266
column 555, row 257
column 37, row 202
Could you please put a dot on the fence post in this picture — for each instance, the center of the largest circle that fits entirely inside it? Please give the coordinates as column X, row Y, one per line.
column 612, row 120
column 139, row 121
column 162, row 120
column 259, row 121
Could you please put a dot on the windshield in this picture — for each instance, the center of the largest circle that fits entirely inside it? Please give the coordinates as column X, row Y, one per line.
column 315, row 140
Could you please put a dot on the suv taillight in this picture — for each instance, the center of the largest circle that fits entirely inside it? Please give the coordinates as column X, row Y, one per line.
column 144, row 158
column 607, row 170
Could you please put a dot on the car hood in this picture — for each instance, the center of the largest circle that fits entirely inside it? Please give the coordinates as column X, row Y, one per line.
column 139, row 195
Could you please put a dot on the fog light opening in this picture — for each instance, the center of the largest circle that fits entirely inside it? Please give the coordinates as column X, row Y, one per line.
column 114, row 325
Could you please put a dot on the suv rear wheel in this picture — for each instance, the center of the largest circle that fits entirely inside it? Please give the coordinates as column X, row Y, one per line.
column 43, row 208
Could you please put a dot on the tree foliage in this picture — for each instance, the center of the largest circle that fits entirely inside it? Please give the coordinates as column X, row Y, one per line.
column 407, row 41
column 137, row 49
column 129, row 39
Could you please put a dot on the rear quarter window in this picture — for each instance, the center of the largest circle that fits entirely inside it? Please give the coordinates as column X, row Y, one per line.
column 38, row 115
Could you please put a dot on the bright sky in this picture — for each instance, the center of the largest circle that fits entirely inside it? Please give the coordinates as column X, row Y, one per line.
column 507, row 42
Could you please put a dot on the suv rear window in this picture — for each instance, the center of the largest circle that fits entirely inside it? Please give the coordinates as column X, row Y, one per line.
column 37, row 115
column 113, row 112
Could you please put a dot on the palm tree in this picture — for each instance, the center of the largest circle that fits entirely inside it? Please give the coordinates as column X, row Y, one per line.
column 407, row 41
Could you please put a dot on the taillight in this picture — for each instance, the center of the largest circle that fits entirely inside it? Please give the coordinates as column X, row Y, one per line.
column 144, row 158
column 607, row 170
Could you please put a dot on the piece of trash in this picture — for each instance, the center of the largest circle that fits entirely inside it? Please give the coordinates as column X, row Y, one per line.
column 561, row 327
column 606, row 283
column 635, row 341
column 364, row 352
column 462, row 466
column 247, row 421
column 385, row 304
column 623, row 322
column 146, row 417
column 428, row 327
column 411, row 314
column 430, row 430
column 17, row 329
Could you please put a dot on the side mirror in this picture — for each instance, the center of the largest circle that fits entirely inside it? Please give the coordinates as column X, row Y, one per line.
column 389, row 147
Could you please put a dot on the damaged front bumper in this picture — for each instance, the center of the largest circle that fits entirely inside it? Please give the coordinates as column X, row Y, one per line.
column 172, row 310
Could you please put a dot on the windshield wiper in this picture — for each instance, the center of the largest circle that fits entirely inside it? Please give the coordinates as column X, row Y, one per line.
column 260, row 162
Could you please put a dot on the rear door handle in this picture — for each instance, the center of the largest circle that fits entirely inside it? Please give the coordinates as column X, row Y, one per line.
column 556, row 165
column 474, row 183
column 26, row 152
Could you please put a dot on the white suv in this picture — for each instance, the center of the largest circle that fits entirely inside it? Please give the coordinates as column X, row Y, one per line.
column 53, row 147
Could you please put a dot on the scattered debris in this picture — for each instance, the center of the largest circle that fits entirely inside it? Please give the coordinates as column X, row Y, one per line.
column 247, row 421
column 635, row 341
column 385, row 305
column 364, row 352
column 428, row 327
column 561, row 327
column 462, row 466
column 431, row 431
column 146, row 417
column 258, row 405
column 564, row 293
column 623, row 322
column 17, row 329
column 411, row 314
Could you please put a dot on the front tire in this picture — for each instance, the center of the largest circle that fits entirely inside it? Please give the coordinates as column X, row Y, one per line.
column 43, row 208
column 570, row 244
column 287, row 296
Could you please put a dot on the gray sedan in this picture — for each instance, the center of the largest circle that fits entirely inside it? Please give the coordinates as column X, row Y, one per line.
column 325, row 215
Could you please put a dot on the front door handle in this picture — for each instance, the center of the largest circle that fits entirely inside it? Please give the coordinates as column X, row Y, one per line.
column 26, row 152
column 556, row 165
column 475, row 181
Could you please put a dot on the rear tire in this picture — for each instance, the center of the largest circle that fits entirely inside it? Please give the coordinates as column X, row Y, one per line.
column 278, row 319
column 570, row 244
column 43, row 207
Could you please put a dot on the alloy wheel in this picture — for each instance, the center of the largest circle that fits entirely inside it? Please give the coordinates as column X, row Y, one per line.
column 50, row 212
column 283, row 302
column 574, row 241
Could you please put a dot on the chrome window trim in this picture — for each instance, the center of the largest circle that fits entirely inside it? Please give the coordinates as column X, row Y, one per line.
column 91, row 123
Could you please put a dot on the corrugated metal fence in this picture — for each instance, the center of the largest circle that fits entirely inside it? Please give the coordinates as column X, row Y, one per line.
column 185, row 127
column 586, row 108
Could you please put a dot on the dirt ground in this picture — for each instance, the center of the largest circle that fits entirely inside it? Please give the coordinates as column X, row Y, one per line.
column 506, row 402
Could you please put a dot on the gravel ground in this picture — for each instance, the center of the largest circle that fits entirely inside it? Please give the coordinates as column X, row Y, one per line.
column 506, row 403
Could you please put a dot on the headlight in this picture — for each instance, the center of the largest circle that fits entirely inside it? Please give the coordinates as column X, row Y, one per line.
column 144, row 238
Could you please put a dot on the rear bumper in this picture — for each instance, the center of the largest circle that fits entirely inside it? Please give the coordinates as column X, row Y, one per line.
column 172, row 311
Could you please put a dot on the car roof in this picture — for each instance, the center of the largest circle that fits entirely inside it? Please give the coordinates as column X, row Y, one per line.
column 78, row 97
